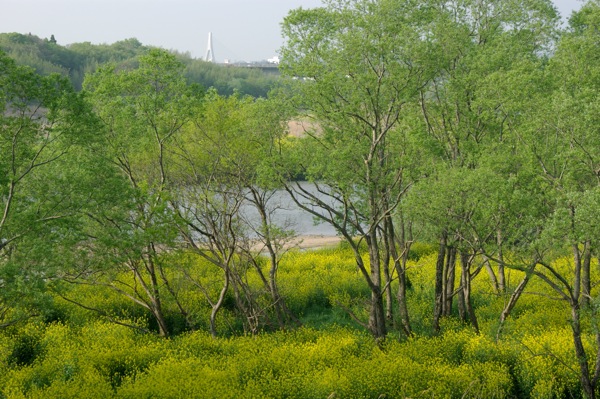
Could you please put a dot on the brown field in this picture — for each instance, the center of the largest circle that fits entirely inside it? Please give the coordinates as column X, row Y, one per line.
column 298, row 128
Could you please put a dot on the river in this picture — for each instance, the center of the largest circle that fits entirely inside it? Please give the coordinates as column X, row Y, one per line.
column 290, row 216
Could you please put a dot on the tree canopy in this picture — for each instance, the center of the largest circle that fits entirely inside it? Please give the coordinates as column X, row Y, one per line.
column 78, row 59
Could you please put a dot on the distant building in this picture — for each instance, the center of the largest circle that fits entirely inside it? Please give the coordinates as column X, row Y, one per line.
column 274, row 60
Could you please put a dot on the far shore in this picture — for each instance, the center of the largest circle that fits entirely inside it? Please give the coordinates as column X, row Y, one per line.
column 314, row 241
column 309, row 241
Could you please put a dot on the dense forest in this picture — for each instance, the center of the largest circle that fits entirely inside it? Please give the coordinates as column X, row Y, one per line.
column 453, row 145
column 76, row 60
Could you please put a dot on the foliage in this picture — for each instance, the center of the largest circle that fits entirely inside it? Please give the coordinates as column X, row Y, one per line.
column 453, row 146
column 78, row 59
column 230, row 79
column 47, row 168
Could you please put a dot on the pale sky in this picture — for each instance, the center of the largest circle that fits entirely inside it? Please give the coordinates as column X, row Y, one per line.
column 242, row 30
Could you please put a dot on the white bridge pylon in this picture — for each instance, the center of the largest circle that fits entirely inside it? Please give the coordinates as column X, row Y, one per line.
column 210, row 55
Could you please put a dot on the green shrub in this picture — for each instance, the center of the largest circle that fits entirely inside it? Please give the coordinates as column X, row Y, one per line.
column 27, row 345
column 420, row 250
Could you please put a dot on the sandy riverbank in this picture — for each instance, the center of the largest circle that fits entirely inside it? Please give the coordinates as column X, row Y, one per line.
column 307, row 242
column 314, row 241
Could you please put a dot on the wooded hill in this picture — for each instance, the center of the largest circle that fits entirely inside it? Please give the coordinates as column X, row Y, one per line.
column 76, row 60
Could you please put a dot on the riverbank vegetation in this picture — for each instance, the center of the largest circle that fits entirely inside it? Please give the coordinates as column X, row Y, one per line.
column 76, row 60
column 453, row 146
column 72, row 350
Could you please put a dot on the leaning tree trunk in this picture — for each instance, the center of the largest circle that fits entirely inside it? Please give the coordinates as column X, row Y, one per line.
column 215, row 307
column 512, row 301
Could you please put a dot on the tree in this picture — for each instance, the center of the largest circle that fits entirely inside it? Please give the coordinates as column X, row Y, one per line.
column 45, row 127
column 471, row 110
column 224, row 200
column 564, row 143
column 361, row 63
column 266, row 126
column 142, row 110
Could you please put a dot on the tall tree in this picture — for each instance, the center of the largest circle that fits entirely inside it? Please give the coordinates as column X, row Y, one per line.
column 225, row 200
column 142, row 110
column 45, row 130
column 361, row 63
column 471, row 109
column 565, row 144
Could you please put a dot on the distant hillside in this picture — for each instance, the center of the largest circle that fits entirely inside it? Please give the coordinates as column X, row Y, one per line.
column 75, row 60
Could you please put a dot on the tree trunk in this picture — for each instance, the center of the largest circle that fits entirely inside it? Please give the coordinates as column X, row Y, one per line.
column 163, row 329
column 400, row 266
column 278, row 302
column 514, row 298
column 273, row 290
column 217, row 306
column 501, row 272
column 150, row 289
column 587, row 383
column 175, row 297
column 466, row 261
column 389, row 244
column 449, row 280
column 282, row 312
column 246, row 304
column 492, row 275
column 377, row 323
column 576, row 293
column 439, row 283
column 402, row 305
column 586, row 286
column 462, row 308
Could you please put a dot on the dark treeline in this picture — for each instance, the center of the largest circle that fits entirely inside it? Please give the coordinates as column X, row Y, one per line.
column 76, row 60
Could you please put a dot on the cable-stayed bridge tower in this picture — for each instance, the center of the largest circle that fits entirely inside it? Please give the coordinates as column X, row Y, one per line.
column 210, row 55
